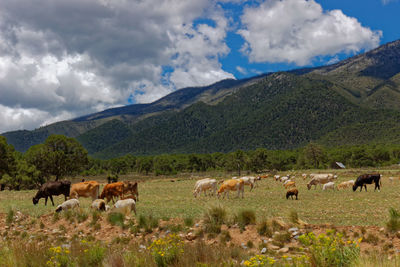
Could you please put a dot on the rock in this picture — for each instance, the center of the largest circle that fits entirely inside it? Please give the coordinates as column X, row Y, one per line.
column 243, row 246
column 382, row 229
column 142, row 247
column 296, row 237
column 190, row 236
column 293, row 229
column 265, row 241
column 167, row 232
column 196, row 225
column 273, row 247
column 264, row 250
column 283, row 250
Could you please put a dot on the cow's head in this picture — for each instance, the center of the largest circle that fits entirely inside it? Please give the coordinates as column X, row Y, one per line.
column 308, row 186
column 35, row 200
column 354, row 187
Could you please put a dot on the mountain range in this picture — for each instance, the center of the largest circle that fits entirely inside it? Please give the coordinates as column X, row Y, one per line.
column 354, row 101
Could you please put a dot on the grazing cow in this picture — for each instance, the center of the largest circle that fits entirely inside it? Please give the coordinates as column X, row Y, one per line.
column 232, row 185
column 365, row 179
column 68, row 204
column 85, row 189
column 329, row 185
column 277, row 177
column 131, row 188
column 50, row 189
column 99, row 204
column 125, row 206
column 319, row 179
column 112, row 190
column 290, row 184
column 284, row 178
column 346, row 184
column 204, row 185
column 292, row 192
column 248, row 180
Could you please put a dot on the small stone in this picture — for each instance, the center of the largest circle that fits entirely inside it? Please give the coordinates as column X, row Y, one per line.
column 265, row 241
column 244, row 246
column 382, row 229
column 283, row 250
column 142, row 247
column 264, row 250
column 167, row 232
column 190, row 236
column 293, row 229
column 196, row 225
column 273, row 247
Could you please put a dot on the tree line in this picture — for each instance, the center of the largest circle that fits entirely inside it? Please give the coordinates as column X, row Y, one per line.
column 60, row 156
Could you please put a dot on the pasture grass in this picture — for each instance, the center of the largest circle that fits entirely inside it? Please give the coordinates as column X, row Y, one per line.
column 162, row 199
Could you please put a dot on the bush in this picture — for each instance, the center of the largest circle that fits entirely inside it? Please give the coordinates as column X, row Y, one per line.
column 10, row 216
column 188, row 221
column 166, row 250
column 393, row 225
column 245, row 217
column 330, row 249
column 116, row 218
column 213, row 219
column 264, row 229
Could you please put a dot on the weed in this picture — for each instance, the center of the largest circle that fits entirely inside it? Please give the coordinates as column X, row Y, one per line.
column 244, row 218
column 250, row 244
column 81, row 216
column 371, row 238
column 56, row 217
column 294, row 217
column 363, row 230
column 393, row 225
column 225, row 236
column 188, row 221
column 116, row 218
column 213, row 219
column 41, row 225
column 282, row 237
column 10, row 217
column 264, row 229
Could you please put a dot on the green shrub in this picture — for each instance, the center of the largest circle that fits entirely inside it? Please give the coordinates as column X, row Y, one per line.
column 225, row 236
column 188, row 221
column 116, row 218
column 10, row 216
column 330, row 249
column 213, row 219
column 393, row 225
column 244, row 218
column 93, row 254
column 264, row 229
column 166, row 250
column 294, row 217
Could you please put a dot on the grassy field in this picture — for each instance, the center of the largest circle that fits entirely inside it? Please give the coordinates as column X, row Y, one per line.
column 165, row 199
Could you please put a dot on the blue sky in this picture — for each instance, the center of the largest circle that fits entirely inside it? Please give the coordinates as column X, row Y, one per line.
column 374, row 14
column 67, row 58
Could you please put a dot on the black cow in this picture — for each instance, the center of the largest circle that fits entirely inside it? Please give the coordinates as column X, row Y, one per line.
column 365, row 179
column 52, row 188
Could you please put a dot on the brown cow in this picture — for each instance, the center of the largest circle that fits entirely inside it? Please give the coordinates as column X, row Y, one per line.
column 85, row 189
column 131, row 188
column 112, row 190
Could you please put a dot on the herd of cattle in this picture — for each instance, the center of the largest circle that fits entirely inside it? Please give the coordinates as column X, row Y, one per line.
column 325, row 180
column 126, row 191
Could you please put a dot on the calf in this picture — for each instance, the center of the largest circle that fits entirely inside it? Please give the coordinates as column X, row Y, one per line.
column 125, row 206
column 292, row 192
column 365, row 179
column 330, row 185
column 69, row 204
column 50, row 189
column 112, row 190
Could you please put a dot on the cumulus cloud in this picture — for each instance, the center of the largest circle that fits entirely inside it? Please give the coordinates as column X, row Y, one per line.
column 297, row 31
column 65, row 58
column 385, row 2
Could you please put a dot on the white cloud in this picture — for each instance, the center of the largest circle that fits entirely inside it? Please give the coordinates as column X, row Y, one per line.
column 385, row 2
column 296, row 31
column 241, row 70
column 66, row 58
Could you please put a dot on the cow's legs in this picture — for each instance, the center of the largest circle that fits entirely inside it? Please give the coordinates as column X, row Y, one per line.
column 51, row 198
column 365, row 188
column 45, row 201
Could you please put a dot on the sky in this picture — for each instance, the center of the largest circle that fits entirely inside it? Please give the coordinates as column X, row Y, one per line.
column 67, row 58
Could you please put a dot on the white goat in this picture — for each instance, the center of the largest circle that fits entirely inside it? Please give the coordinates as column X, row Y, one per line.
column 69, row 204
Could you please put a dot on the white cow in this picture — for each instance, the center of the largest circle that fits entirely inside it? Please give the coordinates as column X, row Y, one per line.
column 248, row 180
column 319, row 179
column 330, row 185
column 204, row 185
column 69, row 204
column 125, row 206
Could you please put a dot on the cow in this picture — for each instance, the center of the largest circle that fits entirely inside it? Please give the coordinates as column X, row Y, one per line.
column 50, row 189
column 131, row 188
column 319, row 179
column 112, row 190
column 67, row 205
column 231, row 185
column 365, row 179
column 85, row 189
column 248, row 180
column 292, row 192
column 204, row 185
